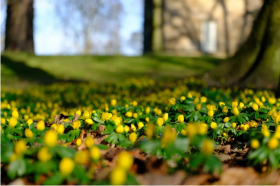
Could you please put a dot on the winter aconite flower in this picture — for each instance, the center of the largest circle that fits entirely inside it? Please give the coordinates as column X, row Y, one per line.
column 147, row 110
column 89, row 142
column 28, row 133
column 172, row 101
column 255, row 107
column 81, row 157
column 181, row 118
column 125, row 160
column 165, row 117
column 255, row 144
column 44, row 154
column 207, row 147
column 132, row 137
column 213, row 125
column 15, row 114
column 210, row 113
column 128, row 114
column 140, row 125
column 79, row 142
column 113, row 102
column 89, row 121
column 12, row 122
column 66, row 166
column 41, row 125
column 235, row 111
column 95, row 153
column 159, row 122
column 20, row 147
column 273, row 143
column 198, row 107
column 76, row 124
column 118, row 176
column 226, row 119
column 60, row 129
column 50, row 138
column 29, row 122
column 120, row 129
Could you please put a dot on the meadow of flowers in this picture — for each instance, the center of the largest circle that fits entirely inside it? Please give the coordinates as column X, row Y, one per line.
column 114, row 133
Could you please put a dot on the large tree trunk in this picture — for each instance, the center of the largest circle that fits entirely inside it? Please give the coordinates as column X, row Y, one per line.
column 19, row 26
column 258, row 59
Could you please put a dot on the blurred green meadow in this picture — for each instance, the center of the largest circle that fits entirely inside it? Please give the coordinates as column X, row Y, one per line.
column 21, row 70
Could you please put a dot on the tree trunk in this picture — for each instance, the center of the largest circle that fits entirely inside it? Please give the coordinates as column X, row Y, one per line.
column 19, row 26
column 148, row 26
column 258, row 59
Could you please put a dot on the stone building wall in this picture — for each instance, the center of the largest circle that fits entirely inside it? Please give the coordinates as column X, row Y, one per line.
column 182, row 24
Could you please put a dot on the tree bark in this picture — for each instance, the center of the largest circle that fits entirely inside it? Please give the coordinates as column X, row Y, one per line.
column 19, row 26
column 148, row 26
column 258, row 59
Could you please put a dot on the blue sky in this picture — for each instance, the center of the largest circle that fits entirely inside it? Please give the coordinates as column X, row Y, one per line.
column 51, row 40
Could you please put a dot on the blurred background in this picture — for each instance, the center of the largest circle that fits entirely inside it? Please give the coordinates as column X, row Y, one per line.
column 109, row 40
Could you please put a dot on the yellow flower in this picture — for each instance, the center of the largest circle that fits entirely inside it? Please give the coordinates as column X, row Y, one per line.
column 246, row 127
column 41, row 125
column 213, row 125
column 221, row 104
column 233, row 125
column 86, row 114
column 13, row 157
column 118, row 176
column 150, row 130
column 132, row 137
column 3, row 121
column 207, row 147
column 79, row 112
column 191, row 130
column 20, row 147
column 89, row 121
column 241, row 105
column 273, row 143
column 277, row 132
column 60, row 129
column 255, row 144
column 165, row 117
column 147, row 119
column 44, row 154
column 134, row 103
column 198, row 107
column 66, row 166
column 224, row 134
column 125, row 160
column 234, row 104
column 202, row 128
column 133, row 128
column 106, row 116
column 265, row 130
column 147, row 110
column 203, row 99
column 253, row 124
column 15, row 114
column 183, row 132
column 172, row 101
column 126, row 128
column 25, row 117
column 119, row 129
column 181, row 118
column 235, row 111
column 128, row 114
column 81, row 157
column 12, row 122
column 182, row 98
column 76, row 124
column 117, row 120
column 210, row 113
column 50, row 138
column 159, row 122
column 95, row 153
column 28, row 133
column 168, row 136
column 89, row 142
column 79, row 142
column 113, row 102
column 255, row 107
column 159, row 112
column 29, row 122
column 140, row 125
column 135, row 115
column 54, row 126
column 195, row 101
column 225, row 109
column 226, row 119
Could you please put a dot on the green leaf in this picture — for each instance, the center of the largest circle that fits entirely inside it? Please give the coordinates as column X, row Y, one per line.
column 102, row 147
column 98, row 120
column 150, row 146
column 196, row 161
column 112, row 138
column 181, row 144
column 257, row 115
column 131, row 180
column 55, row 179
column 125, row 143
column 81, row 174
column 273, row 161
column 16, row 168
column 44, row 167
column 65, row 152
column 263, row 110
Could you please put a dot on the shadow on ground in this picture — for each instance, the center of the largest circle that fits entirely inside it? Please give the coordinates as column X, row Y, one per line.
column 32, row 74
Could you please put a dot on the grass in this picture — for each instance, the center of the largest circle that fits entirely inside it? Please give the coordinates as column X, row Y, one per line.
column 22, row 69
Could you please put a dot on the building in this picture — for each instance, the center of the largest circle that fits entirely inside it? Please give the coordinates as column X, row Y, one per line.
column 194, row 27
